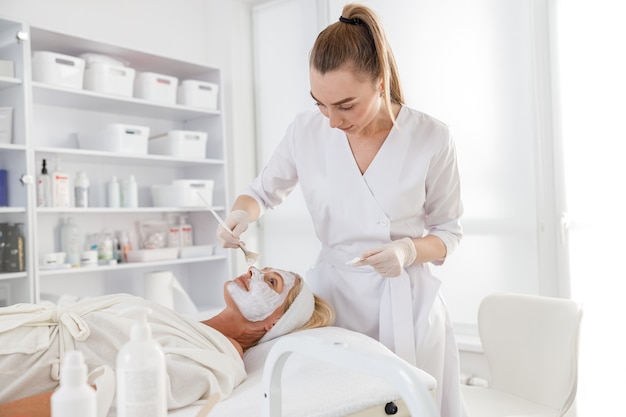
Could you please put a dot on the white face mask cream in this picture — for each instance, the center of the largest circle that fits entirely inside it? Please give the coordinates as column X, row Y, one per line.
column 261, row 300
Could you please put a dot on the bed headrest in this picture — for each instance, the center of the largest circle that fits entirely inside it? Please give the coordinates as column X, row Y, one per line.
column 295, row 317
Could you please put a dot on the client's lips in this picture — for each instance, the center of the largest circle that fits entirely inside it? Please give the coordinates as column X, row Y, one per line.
column 243, row 282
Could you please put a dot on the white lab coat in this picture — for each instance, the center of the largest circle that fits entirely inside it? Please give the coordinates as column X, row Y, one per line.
column 411, row 188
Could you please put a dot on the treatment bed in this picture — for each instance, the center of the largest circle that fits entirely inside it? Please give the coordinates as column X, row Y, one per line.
column 325, row 372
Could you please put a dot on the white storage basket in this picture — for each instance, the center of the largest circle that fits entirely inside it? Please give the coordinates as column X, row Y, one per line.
column 183, row 193
column 58, row 69
column 156, row 87
column 200, row 94
column 186, row 144
column 117, row 137
column 109, row 79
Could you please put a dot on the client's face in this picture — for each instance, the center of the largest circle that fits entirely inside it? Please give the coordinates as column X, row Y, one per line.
column 259, row 293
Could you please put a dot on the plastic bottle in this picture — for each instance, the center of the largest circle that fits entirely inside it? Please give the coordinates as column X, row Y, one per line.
column 173, row 232
column 81, row 190
column 14, row 250
column 60, row 187
column 141, row 373
column 105, row 249
column 129, row 193
column 125, row 245
column 74, row 397
column 43, row 186
column 186, row 232
column 70, row 242
column 113, row 193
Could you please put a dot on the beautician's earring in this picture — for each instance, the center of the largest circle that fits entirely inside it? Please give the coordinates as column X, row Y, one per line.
column 382, row 93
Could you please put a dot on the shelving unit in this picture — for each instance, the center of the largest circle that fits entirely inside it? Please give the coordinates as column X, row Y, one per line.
column 16, row 286
column 48, row 120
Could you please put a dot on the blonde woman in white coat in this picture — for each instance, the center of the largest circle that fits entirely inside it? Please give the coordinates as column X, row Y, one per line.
column 382, row 186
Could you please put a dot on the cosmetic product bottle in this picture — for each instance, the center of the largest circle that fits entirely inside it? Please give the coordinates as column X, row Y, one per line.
column 81, row 190
column 141, row 389
column 70, row 242
column 60, row 187
column 186, row 232
column 113, row 193
column 43, row 186
column 74, row 397
column 125, row 245
column 129, row 193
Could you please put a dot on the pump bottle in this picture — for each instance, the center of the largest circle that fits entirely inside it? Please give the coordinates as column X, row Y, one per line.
column 74, row 397
column 141, row 373
column 43, row 186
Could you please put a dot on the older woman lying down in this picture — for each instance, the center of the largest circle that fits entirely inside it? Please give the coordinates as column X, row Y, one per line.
column 203, row 358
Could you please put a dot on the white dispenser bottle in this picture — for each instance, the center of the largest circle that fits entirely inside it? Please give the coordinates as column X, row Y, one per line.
column 70, row 242
column 43, row 186
column 81, row 190
column 129, row 193
column 60, row 194
column 141, row 372
column 113, row 193
column 74, row 397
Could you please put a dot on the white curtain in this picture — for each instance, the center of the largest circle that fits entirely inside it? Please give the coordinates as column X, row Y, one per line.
column 592, row 78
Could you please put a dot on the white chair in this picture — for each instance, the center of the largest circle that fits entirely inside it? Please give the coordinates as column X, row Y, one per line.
column 531, row 347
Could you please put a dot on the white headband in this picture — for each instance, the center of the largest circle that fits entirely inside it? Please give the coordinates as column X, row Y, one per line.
column 296, row 316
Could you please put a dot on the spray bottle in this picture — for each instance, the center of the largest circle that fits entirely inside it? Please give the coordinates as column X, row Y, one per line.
column 141, row 373
column 74, row 397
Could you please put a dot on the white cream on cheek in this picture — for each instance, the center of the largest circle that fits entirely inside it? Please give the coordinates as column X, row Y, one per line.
column 260, row 301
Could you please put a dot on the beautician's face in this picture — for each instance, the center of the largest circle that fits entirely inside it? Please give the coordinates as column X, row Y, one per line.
column 349, row 102
column 259, row 293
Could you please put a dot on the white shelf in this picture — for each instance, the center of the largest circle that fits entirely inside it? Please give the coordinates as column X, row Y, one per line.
column 6, row 82
column 12, row 147
column 84, row 155
column 107, row 210
column 12, row 210
column 128, row 265
column 12, row 275
column 81, row 99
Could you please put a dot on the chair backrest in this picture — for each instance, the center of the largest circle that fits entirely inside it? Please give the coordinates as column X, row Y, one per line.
column 531, row 346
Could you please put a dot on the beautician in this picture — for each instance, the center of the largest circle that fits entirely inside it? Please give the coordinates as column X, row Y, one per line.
column 380, row 180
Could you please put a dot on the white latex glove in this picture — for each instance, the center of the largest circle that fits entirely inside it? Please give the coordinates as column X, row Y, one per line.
column 391, row 258
column 238, row 221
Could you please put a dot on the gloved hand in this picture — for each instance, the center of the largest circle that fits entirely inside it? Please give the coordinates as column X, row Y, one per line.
column 391, row 258
column 238, row 221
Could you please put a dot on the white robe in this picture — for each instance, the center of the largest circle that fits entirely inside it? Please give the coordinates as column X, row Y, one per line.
column 34, row 337
column 411, row 188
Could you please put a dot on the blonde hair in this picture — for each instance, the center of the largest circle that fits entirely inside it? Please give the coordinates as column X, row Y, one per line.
column 323, row 314
column 359, row 40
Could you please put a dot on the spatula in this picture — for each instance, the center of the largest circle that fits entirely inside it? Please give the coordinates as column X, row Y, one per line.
column 251, row 257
